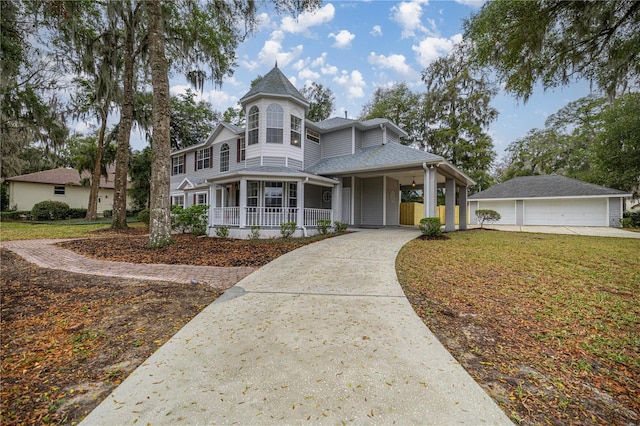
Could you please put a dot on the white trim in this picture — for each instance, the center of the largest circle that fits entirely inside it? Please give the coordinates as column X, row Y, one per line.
column 552, row 198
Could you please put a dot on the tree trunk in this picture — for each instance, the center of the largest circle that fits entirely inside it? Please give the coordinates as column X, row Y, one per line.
column 124, row 130
column 92, row 208
column 160, row 218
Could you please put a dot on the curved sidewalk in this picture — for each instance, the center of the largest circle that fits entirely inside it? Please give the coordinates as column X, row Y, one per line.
column 45, row 254
column 323, row 334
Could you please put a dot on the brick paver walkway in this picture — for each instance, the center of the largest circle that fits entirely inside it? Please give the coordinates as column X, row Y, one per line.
column 46, row 254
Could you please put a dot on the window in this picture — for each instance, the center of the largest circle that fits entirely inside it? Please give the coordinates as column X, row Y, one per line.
column 296, row 130
column 313, row 136
column 203, row 159
column 293, row 194
column 224, row 158
column 177, row 166
column 274, row 123
column 200, row 198
column 58, row 190
column 273, row 194
column 254, row 122
column 177, row 200
column 242, row 150
column 252, row 194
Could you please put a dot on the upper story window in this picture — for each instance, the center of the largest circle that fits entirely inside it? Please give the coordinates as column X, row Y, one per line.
column 296, row 131
column 58, row 190
column 203, row 159
column 252, row 125
column 177, row 165
column 274, row 123
column 313, row 136
column 242, row 150
column 224, row 157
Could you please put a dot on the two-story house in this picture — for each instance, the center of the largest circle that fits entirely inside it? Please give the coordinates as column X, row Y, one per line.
column 282, row 167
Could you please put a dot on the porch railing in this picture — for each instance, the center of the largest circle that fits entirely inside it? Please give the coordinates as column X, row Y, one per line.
column 267, row 216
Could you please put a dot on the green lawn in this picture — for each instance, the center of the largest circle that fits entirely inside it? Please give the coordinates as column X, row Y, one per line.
column 545, row 322
column 57, row 229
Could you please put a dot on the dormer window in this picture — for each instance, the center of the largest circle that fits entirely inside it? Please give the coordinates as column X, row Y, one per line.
column 253, row 124
column 274, row 123
column 296, row 131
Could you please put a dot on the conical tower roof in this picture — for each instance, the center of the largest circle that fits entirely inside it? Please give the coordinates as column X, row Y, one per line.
column 275, row 83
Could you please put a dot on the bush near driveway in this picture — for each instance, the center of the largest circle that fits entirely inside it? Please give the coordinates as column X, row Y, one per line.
column 547, row 324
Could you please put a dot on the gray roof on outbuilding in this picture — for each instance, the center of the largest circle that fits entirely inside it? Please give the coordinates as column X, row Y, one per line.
column 275, row 83
column 545, row 186
column 387, row 155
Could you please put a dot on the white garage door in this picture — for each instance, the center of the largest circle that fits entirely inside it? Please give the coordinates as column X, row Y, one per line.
column 574, row 212
column 507, row 210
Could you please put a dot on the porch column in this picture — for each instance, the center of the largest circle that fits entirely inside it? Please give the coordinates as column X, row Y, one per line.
column 336, row 201
column 430, row 191
column 462, row 201
column 450, row 205
column 243, row 203
column 300, row 203
column 212, row 204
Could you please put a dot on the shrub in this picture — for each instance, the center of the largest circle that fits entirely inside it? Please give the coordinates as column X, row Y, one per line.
column 222, row 232
column 287, row 229
column 431, row 226
column 107, row 213
column 488, row 216
column 340, row 226
column 14, row 215
column 635, row 218
column 626, row 222
column 77, row 213
column 255, row 233
column 192, row 219
column 144, row 216
column 50, row 210
column 323, row 226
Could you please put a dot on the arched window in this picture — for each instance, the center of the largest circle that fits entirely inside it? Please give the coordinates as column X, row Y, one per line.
column 274, row 123
column 253, row 123
column 224, row 158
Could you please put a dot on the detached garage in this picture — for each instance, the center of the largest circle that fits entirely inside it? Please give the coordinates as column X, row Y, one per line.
column 550, row 200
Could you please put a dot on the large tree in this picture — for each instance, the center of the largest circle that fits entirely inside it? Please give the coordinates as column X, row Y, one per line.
column 321, row 101
column 554, row 41
column 456, row 113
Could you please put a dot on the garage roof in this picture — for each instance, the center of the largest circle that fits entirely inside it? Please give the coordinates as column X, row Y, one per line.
column 546, row 186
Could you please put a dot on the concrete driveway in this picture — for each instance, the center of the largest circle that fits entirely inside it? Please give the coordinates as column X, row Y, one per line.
column 594, row 231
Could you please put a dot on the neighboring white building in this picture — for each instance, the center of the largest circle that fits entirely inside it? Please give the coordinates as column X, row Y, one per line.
column 59, row 185
column 550, row 200
column 284, row 168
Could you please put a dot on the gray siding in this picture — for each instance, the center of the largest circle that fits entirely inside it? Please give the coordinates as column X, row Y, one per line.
column 615, row 211
column 336, row 144
column 393, row 204
column 358, row 139
column 372, row 138
column 519, row 212
column 273, row 161
column 346, row 182
column 253, row 162
column 312, row 153
column 372, row 197
column 295, row 164
column 357, row 202
column 313, row 197
column 473, row 206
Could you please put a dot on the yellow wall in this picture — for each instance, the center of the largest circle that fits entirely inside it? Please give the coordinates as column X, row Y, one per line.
column 411, row 213
column 26, row 194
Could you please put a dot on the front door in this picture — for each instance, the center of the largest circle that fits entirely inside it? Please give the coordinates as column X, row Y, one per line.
column 346, row 205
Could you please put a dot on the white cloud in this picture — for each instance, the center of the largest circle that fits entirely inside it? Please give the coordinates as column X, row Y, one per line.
column 352, row 83
column 431, row 48
column 307, row 74
column 272, row 51
column 376, row 31
column 476, row 4
column 325, row 68
column 343, row 39
column 409, row 16
column 218, row 99
column 264, row 21
column 397, row 63
column 307, row 20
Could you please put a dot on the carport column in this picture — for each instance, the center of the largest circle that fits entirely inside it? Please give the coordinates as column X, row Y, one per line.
column 450, row 205
column 462, row 201
column 300, row 203
column 336, row 201
column 430, row 191
column 212, row 204
column 243, row 203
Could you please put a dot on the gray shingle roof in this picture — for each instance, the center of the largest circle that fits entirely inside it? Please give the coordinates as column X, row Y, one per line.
column 274, row 83
column 64, row 176
column 544, row 186
column 388, row 155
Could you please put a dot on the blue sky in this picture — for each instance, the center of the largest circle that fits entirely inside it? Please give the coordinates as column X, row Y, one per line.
column 353, row 47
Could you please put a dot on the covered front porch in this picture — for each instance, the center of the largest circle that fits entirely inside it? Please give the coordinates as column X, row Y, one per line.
column 266, row 200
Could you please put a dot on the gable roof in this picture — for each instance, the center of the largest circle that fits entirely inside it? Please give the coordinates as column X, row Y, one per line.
column 207, row 142
column 63, row 176
column 275, row 83
column 545, row 186
column 336, row 123
column 374, row 157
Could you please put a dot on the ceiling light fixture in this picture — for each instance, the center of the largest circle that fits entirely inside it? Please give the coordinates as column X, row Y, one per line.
column 413, row 182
